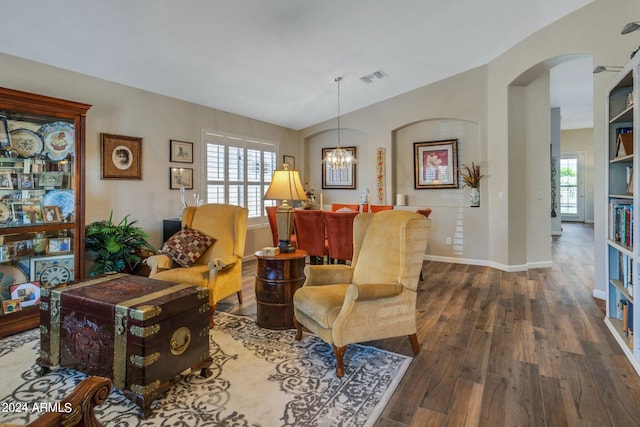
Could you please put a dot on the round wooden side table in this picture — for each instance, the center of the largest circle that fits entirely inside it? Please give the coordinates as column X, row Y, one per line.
column 277, row 279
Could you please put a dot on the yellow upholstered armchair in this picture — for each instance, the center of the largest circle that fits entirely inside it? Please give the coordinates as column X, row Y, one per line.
column 220, row 267
column 374, row 297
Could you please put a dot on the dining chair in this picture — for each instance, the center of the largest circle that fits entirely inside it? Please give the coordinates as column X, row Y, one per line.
column 339, row 229
column 378, row 208
column 426, row 212
column 351, row 206
column 310, row 234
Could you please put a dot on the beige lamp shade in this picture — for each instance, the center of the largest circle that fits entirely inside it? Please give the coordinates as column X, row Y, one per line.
column 285, row 185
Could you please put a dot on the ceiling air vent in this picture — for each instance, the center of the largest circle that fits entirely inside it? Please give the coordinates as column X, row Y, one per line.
column 376, row 75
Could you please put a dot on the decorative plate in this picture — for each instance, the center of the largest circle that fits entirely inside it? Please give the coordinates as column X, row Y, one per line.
column 26, row 142
column 11, row 274
column 59, row 139
column 63, row 198
column 5, row 212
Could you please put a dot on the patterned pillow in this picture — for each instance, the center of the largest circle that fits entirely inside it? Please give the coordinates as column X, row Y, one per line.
column 186, row 246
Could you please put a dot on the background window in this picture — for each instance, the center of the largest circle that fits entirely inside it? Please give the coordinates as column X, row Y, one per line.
column 239, row 171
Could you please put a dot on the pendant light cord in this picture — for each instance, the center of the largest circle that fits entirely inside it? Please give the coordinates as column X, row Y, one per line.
column 338, row 79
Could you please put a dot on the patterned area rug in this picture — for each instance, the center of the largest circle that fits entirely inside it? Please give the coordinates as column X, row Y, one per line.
column 260, row 377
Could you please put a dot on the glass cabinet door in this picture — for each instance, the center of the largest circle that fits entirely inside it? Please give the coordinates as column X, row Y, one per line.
column 41, row 203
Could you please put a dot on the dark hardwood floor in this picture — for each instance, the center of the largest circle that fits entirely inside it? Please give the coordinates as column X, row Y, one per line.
column 508, row 349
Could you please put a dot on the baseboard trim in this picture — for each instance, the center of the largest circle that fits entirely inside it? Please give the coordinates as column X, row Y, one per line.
column 599, row 294
column 485, row 263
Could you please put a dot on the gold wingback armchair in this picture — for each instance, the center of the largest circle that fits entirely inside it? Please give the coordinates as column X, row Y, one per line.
column 220, row 266
column 373, row 298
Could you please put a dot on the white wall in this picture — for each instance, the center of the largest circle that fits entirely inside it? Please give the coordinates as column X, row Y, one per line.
column 516, row 221
column 122, row 110
column 483, row 96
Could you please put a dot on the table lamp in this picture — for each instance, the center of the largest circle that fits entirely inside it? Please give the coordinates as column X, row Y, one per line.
column 285, row 185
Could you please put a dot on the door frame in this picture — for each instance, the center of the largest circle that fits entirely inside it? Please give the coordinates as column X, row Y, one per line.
column 581, row 202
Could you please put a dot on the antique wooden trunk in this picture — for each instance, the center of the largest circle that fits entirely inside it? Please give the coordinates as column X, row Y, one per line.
column 138, row 331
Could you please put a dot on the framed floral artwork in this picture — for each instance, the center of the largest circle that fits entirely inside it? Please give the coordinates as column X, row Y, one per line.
column 436, row 164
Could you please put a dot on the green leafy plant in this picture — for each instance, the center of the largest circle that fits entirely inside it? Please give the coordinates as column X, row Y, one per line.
column 471, row 175
column 118, row 247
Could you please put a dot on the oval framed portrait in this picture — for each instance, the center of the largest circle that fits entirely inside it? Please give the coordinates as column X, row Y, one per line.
column 121, row 157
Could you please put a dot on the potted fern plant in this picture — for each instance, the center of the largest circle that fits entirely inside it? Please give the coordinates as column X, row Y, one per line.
column 116, row 247
column 471, row 177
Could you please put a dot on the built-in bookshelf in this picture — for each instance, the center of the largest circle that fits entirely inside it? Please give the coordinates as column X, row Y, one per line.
column 623, row 316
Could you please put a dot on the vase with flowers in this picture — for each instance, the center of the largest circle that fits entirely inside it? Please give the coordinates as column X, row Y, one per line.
column 471, row 177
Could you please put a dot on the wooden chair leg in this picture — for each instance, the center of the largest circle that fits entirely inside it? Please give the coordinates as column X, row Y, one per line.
column 212, row 310
column 240, row 297
column 339, row 352
column 413, row 339
column 298, row 329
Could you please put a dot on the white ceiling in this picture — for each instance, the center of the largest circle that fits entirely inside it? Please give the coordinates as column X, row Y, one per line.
column 273, row 60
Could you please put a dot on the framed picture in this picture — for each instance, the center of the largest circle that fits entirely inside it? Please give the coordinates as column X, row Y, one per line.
column 51, row 214
column 290, row 160
column 11, row 306
column 59, row 245
column 5, row 139
column 180, row 151
column 339, row 178
column 63, row 263
column 31, row 214
column 17, row 210
column 25, row 181
column 51, row 179
column 436, row 164
column 6, row 182
column 19, row 245
column 180, row 178
column 27, row 293
column 121, row 157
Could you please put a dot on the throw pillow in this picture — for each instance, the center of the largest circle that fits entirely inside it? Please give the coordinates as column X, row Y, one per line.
column 186, row 246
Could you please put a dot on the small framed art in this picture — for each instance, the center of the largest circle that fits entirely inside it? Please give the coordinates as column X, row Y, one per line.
column 290, row 160
column 436, row 164
column 51, row 214
column 25, row 181
column 180, row 151
column 31, row 214
column 121, row 157
column 11, row 305
column 59, row 245
column 180, row 178
column 6, row 181
column 27, row 293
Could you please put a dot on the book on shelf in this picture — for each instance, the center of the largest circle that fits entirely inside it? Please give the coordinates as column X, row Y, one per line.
column 629, row 179
column 625, row 316
column 621, row 222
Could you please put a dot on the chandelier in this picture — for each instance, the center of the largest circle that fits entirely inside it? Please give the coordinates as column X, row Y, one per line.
column 339, row 158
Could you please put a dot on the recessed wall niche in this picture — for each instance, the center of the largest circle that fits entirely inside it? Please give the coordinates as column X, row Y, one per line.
column 468, row 135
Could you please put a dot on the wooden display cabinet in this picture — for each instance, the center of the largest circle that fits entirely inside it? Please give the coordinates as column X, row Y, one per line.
column 42, row 148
